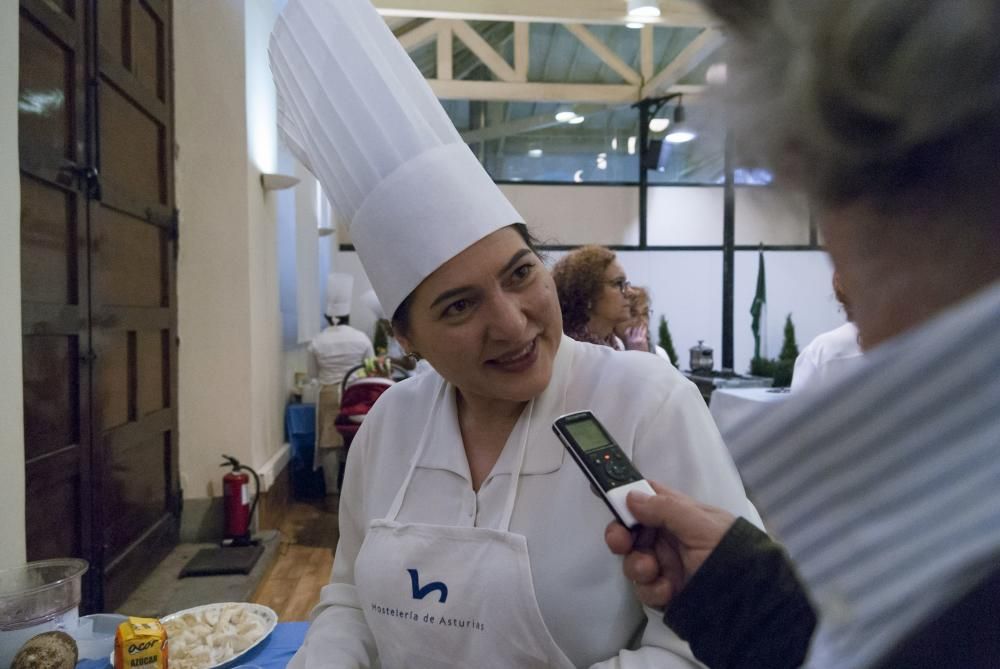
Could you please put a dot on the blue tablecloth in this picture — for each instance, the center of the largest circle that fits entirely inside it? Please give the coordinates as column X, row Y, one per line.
column 274, row 653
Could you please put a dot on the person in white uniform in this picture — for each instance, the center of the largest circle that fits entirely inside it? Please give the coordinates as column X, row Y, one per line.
column 332, row 353
column 832, row 355
column 469, row 538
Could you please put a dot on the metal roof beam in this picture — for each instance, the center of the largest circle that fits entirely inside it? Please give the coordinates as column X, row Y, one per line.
column 686, row 13
column 607, row 94
column 607, row 56
column 693, row 55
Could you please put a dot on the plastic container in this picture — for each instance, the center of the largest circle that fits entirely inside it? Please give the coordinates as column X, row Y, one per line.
column 95, row 637
column 38, row 597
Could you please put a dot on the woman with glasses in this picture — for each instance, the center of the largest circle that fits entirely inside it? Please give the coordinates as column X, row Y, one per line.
column 593, row 295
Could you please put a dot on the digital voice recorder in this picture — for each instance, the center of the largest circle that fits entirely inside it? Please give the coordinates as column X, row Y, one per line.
column 603, row 461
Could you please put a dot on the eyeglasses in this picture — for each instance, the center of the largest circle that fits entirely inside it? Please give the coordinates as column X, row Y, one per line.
column 621, row 284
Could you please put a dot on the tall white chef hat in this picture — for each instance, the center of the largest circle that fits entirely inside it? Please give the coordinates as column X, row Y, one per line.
column 338, row 294
column 359, row 115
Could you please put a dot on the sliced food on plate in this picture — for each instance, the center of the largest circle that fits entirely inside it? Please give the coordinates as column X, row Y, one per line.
column 208, row 636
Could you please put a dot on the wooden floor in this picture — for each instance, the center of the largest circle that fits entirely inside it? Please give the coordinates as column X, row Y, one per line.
column 304, row 561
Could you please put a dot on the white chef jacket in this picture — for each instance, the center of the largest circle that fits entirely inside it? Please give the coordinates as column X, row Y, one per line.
column 338, row 348
column 828, row 358
column 656, row 415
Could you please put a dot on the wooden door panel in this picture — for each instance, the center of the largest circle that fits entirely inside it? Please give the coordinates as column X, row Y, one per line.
column 49, row 243
column 135, row 496
column 132, row 148
column 112, row 382
column 112, row 33
column 153, row 372
column 132, row 271
column 54, row 490
column 51, row 394
column 46, row 97
column 147, row 49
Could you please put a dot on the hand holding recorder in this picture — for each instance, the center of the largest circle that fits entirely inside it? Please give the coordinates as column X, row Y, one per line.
column 676, row 536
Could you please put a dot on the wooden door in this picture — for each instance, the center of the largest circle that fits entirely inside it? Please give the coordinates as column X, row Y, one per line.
column 53, row 149
column 133, row 305
column 114, row 456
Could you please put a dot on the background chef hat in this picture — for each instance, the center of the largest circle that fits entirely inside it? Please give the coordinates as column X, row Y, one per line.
column 338, row 294
column 358, row 114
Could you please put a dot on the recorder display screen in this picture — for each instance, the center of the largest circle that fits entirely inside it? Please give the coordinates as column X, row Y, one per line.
column 588, row 434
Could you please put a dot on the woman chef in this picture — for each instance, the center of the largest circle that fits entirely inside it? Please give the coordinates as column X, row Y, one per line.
column 468, row 537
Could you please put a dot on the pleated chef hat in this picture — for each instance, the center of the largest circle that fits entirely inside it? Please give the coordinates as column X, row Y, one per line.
column 338, row 294
column 358, row 114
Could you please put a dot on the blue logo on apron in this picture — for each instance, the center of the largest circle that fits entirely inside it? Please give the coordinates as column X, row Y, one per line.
column 420, row 593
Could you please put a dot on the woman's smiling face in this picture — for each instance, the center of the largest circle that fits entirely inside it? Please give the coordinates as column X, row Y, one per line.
column 488, row 320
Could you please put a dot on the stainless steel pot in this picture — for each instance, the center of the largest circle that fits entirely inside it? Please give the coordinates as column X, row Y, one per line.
column 701, row 358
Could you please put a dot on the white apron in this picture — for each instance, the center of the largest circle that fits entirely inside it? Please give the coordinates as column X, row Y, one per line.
column 327, row 437
column 440, row 596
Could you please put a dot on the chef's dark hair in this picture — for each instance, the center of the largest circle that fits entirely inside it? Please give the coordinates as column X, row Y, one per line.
column 401, row 317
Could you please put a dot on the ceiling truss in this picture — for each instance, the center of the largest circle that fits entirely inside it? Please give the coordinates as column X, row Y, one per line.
column 511, row 82
column 675, row 13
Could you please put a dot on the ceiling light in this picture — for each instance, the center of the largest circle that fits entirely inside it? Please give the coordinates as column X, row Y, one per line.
column 614, row 143
column 576, row 120
column 645, row 8
column 565, row 115
column 680, row 133
column 658, row 124
column 634, row 25
column 578, row 176
column 535, row 153
column 631, row 145
column 680, row 136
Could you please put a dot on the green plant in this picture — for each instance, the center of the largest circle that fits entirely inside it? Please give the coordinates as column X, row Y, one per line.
column 380, row 339
column 780, row 368
column 666, row 341
column 762, row 367
column 789, row 349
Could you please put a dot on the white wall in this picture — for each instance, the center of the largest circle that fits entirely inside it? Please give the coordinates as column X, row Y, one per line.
column 268, row 391
column 684, row 216
column 214, row 263
column 12, row 549
column 572, row 214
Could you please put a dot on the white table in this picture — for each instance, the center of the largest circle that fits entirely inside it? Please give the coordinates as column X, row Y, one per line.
column 730, row 406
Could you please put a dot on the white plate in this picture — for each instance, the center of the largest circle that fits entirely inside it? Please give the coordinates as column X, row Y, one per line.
column 266, row 615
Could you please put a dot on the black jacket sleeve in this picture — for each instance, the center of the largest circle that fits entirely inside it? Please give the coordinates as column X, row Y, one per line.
column 745, row 608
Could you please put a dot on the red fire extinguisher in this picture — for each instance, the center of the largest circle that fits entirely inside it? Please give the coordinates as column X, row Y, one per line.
column 238, row 506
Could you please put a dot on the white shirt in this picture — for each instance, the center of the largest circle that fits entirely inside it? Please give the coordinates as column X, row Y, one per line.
column 337, row 349
column 656, row 415
column 828, row 358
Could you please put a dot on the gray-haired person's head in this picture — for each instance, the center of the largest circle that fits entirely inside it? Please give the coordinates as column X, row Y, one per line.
column 894, row 102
